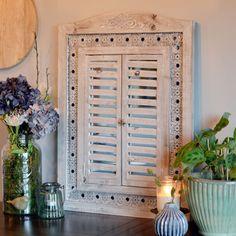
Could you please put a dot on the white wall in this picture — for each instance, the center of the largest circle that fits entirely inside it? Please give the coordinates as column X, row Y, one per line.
column 215, row 63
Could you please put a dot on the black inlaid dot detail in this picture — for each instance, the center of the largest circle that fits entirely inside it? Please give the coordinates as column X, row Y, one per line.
column 72, row 138
column 142, row 200
column 72, row 187
column 177, row 136
column 82, row 40
column 72, row 154
column 112, row 198
column 177, row 83
column 174, row 38
column 97, row 39
column 177, row 100
column 72, row 104
column 127, row 39
column 73, row 121
column 177, row 119
column 142, row 39
column 111, row 39
column 72, row 171
column 158, row 39
column 127, row 199
column 73, row 54
column 177, row 65
column 82, row 195
column 73, row 71
column 97, row 196
column 176, row 172
column 72, row 88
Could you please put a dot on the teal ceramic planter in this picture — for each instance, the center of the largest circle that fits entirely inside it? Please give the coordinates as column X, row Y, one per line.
column 212, row 205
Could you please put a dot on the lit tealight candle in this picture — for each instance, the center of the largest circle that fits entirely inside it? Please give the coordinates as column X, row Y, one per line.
column 164, row 193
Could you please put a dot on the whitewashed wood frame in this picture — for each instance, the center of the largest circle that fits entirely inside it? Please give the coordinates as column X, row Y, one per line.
column 106, row 139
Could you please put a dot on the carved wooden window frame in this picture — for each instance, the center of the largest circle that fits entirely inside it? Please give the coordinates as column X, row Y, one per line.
column 145, row 31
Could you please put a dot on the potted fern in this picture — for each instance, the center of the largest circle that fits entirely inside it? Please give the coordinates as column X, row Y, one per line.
column 211, row 192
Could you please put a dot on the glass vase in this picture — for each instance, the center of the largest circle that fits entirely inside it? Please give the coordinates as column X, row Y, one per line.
column 21, row 176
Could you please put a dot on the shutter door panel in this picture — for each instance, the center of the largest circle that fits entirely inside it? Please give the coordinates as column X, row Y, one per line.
column 102, row 111
column 140, row 111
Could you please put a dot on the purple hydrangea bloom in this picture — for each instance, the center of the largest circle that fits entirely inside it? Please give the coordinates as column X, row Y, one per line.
column 16, row 93
column 42, row 119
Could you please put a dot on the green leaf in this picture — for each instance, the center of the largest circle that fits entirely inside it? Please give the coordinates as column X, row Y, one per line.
column 194, row 157
column 232, row 173
column 230, row 161
column 186, row 170
column 150, row 172
column 208, row 133
column 173, row 192
column 235, row 134
column 180, row 154
column 223, row 122
column 158, row 181
column 210, row 156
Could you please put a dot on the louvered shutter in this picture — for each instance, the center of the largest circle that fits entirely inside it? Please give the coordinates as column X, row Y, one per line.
column 141, row 133
column 102, row 113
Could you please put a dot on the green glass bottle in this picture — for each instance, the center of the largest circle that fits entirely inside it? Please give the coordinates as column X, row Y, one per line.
column 21, row 176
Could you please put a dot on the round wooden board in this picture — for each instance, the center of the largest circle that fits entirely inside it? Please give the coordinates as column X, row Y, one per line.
column 18, row 23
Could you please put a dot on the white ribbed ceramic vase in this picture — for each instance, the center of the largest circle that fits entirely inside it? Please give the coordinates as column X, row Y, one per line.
column 212, row 206
column 171, row 221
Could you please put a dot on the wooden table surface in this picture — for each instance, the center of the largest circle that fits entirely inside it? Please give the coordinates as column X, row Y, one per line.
column 78, row 224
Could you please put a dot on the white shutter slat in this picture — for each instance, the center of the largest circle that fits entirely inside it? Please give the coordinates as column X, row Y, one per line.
column 102, row 130
column 144, row 141
column 102, row 163
column 141, row 102
column 142, row 64
column 141, row 121
column 102, row 101
column 142, row 73
column 142, row 111
column 102, row 157
column 142, row 150
column 99, row 82
column 102, row 148
column 144, row 131
column 140, row 169
column 148, row 160
column 142, row 92
column 99, row 110
column 102, row 74
column 102, row 120
column 95, row 167
column 142, row 82
column 101, row 139
column 103, row 92
column 102, row 64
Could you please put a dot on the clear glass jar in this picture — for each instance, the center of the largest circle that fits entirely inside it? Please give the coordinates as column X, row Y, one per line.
column 21, row 176
column 164, row 192
column 51, row 200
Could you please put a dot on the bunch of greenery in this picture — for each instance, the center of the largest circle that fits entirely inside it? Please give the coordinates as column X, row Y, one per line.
column 215, row 160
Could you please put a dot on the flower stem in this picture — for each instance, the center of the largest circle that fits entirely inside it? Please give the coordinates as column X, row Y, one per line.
column 37, row 59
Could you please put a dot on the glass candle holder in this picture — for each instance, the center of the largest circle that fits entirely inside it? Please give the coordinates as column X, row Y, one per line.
column 164, row 192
